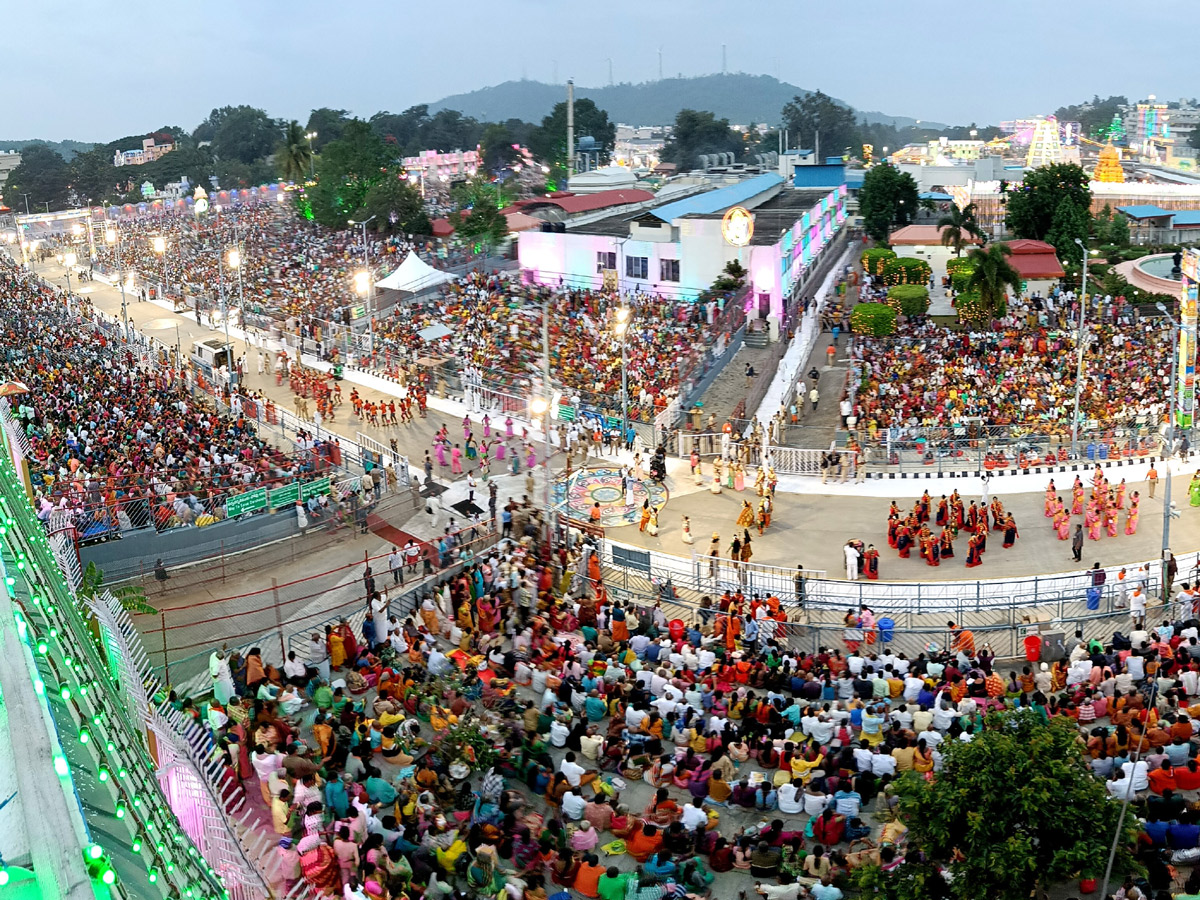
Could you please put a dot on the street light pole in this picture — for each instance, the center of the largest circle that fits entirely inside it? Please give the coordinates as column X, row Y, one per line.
column 112, row 236
column 622, row 329
column 1169, row 453
column 546, row 424
column 312, row 170
column 369, row 292
column 1079, row 354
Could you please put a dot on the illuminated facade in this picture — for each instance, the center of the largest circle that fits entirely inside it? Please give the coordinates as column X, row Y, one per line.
column 1185, row 361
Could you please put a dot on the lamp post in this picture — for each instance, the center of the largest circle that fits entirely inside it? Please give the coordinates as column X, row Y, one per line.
column 1169, row 454
column 225, row 316
column 622, row 329
column 113, row 236
column 68, row 259
column 160, row 247
column 312, row 136
column 235, row 262
column 1079, row 353
column 366, row 285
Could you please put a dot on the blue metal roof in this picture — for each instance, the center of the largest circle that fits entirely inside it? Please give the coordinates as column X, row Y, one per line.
column 1143, row 211
column 935, row 195
column 718, row 200
column 827, row 176
column 1186, row 218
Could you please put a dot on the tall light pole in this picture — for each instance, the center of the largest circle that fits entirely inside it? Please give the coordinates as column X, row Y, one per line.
column 68, row 259
column 312, row 169
column 542, row 405
column 113, row 236
column 622, row 329
column 160, row 247
column 1079, row 353
column 1169, row 454
column 235, row 262
column 366, row 286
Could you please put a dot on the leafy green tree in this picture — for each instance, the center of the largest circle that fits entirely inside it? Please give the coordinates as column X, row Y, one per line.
column 481, row 191
column 1110, row 229
column 346, row 172
column 247, row 135
column 293, row 158
column 485, row 223
column 498, row 149
column 44, row 175
column 548, row 142
column 698, row 133
column 397, row 207
column 959, row 227
column 402, row 129
column 1034, row 207
column 1093, row 116
column 94, row 177
column 992, row 274
column 1014, row 810
column 910, row 299
column 915, row 880
column 888, row 198
column 329, row 124
column 818, row 114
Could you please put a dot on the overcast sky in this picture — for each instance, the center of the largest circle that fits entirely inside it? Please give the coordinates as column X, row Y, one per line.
column 98, row 70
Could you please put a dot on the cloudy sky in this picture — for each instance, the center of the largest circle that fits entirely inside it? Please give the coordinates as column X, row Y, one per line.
column 97, row 70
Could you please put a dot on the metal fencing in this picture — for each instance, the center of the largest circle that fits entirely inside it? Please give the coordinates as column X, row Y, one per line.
column 181, row 639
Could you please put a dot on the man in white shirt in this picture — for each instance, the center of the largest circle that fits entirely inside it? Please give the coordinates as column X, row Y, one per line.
column 791, row 800
column 396, row 565
column 862, row 757
column 694, row 815
column 318, row 656
column 883, row 764
column 1138, row 774
column 294, row 669
column 558, row 733
column 573, row 806
column 822, row 731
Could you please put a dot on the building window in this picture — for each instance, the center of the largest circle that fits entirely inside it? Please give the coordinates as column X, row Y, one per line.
column 668, row 270
column 605, row 261
column 637, row 267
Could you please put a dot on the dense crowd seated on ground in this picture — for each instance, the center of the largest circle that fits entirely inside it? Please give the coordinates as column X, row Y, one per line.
column 291, row 267
column 1021, row 373
column 496, row 326
column 506, row 739
column 113, row 443
column 304, row 274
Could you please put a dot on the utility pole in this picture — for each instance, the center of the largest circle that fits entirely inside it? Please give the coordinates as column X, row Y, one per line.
column 660, row 78
column 1079, row 357
column 724, row 71
column 570, row 127
column 610, row 78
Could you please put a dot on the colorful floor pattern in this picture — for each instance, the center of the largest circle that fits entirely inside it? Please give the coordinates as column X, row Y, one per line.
column 603, row 485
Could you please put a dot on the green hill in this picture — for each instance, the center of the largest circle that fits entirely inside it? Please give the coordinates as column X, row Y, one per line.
column 738, row 97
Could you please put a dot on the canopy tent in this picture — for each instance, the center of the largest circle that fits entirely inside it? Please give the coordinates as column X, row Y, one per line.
column 434, row 332
column 414, row 275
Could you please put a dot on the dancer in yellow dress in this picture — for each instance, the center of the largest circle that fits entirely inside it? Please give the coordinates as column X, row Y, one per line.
column 746, row 517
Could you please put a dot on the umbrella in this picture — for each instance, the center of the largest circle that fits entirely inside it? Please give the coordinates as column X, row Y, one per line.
column 9, row 388
column 434, row 332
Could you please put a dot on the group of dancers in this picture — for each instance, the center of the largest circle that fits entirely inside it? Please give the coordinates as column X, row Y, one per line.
column 1101, row 512
column 953, row 517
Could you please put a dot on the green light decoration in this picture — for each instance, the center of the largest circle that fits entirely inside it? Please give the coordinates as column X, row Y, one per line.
column 102, row 774
column 84, row 735
column 121, row 811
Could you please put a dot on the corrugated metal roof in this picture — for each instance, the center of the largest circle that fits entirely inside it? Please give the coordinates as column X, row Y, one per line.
column 1187, row 218
column 1143, row 211
column 718, row 200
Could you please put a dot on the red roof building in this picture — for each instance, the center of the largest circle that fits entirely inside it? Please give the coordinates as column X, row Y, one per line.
column 575, row 204
column 1035, row 260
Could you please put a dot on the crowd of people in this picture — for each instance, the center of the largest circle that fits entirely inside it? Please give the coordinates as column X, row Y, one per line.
column 520, row 733
column 117, row 443
column 933, row 376
column 302, row 276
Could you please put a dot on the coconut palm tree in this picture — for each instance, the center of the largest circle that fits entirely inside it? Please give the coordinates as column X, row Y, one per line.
column 959, row 227
column 294, row 155
column 993, row 274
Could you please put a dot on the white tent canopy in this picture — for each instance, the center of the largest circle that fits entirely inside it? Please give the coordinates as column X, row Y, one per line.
column 414, row 275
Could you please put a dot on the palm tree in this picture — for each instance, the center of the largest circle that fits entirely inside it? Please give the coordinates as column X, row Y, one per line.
column 993, row 274
column 294, row 155
column 959, row 227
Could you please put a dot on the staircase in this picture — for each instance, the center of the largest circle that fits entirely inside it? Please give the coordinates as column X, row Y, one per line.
column 756, row 335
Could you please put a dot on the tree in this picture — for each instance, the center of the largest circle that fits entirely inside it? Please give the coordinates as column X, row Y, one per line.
column 888, row 197
column 485, row 223
column 44, row 175
column 698, row 133
column 329, row 124
column 548, row 142
column 1034, row 207
column 991, row 276
column 247, row 135
column 499, row 151
column 818, row 118
column 959, row 227
column 346, row 172
column 293, row 159
column 93, row 175
column 1093, row 116
column 1014, row 810
column 397, row 207
column 401, row 129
